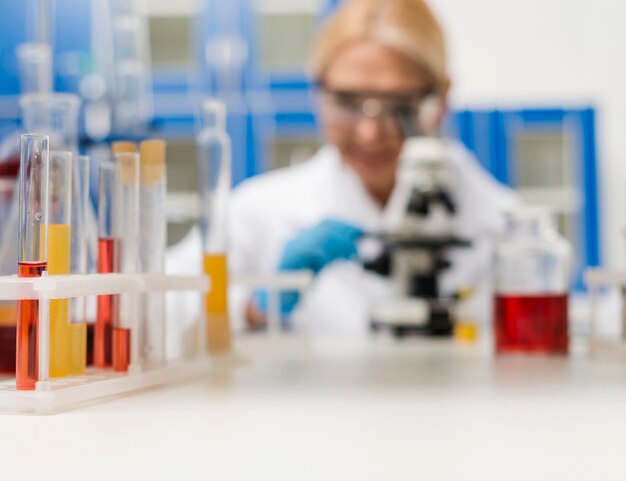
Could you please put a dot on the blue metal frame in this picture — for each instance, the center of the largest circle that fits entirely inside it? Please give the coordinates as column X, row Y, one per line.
column 488, row 135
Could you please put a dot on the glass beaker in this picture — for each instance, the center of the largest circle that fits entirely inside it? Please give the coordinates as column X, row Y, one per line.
column 55, row 115
column 532, row 274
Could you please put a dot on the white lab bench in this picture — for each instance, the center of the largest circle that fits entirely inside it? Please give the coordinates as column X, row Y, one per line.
column 298, row 409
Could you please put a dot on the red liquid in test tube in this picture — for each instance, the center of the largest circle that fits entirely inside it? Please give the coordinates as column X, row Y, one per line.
column 103, row 330
column 28, row 331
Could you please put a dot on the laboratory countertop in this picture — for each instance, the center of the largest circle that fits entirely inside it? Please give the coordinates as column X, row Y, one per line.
column 299, row 409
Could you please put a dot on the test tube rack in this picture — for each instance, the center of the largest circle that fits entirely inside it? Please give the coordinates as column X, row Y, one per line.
column 59, row 394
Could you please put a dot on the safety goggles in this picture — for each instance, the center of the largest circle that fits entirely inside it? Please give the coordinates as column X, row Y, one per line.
column 405, row 113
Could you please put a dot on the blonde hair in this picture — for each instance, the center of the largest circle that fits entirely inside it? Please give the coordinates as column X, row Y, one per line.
column 407, row 26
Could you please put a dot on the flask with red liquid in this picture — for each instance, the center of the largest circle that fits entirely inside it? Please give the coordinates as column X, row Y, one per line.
column 532, row 274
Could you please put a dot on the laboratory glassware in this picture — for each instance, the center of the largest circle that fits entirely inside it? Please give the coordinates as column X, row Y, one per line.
column 108, row 262
column 78, row 264
column 32, row 251
column 34, row 62
column 121, row 146
column 152, row 247
column 130, row 75
column 214, row 180
column 55, row 115
column 125, row 323
column 532, row 274
column 59, row 249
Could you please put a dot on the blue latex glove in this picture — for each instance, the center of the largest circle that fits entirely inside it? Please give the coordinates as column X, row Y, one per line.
column 312, row 249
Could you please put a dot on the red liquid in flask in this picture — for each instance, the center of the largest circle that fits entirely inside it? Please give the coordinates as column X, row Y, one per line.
column 26, row 362
column 121, row 348
column 531, row 323
column 103, row 330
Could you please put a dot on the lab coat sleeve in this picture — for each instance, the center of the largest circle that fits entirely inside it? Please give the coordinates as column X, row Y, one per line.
column 245, row 247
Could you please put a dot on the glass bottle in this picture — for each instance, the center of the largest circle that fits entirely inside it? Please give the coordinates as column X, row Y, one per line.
column 532, row 274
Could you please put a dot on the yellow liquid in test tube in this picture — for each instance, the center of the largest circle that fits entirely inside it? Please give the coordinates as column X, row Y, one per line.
column 216, row 304
column 77, row 354
column 59, row 240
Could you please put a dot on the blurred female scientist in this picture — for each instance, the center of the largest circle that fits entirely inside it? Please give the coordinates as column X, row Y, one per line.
column 372, row 58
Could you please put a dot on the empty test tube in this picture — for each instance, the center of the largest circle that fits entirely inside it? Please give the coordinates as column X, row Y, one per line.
column 126, row 334
column 152, row 247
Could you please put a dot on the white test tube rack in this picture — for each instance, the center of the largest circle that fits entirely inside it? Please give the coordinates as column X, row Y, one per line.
column 274, row 284
column 58, row 394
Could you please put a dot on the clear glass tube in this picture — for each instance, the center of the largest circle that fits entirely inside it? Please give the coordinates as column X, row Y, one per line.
column 214, row 182
column 55, row 115
column 32, row 251
column 108, row 262
column 152, row 247
column 125, row 326
column 131, row 69
column 78, row 264
column 59, row 249
column 34, row 62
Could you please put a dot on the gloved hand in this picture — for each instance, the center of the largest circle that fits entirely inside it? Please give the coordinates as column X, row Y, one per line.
column 312, row 249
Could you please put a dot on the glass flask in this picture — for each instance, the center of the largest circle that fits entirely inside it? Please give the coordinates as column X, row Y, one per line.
column 532, row 276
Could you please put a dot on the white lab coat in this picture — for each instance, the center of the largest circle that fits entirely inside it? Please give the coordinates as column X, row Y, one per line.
column 268, row 210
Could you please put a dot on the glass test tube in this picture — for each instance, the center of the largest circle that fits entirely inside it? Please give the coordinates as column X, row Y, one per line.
column 108, row 244
column 78, row 265
column 32, row 253
column 59, row 248
column 125, row 325
column 152, row 247
column 214, row 180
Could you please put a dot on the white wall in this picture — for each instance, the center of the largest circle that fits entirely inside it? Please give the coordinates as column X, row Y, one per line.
column 507, row 53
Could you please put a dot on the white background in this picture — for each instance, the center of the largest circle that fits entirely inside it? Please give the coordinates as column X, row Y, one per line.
column 549, row 53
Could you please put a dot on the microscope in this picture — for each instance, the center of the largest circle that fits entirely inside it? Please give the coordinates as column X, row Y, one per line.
column 416, row 241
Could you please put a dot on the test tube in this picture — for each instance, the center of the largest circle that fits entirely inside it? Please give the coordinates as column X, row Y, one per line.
column 214, row 179
column 59, row 248
column 126, row 335
column 78, row 265
column 108, row 262
column 122, row 146
column 152, row 247
column 32, row 253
